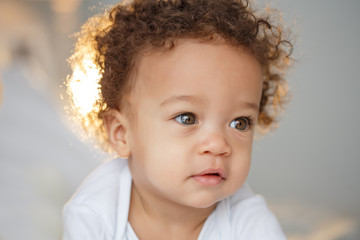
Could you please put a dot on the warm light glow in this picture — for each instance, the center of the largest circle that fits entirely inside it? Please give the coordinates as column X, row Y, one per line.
column 65, row 6
column 84, row 86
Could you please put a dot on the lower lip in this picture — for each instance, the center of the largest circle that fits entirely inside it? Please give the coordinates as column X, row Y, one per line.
column 208, row 180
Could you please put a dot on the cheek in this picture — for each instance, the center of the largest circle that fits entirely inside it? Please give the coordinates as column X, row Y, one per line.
column 238, row 175
column 168, row 155
column 241, row 164
column 157, row 151
column 241, row 160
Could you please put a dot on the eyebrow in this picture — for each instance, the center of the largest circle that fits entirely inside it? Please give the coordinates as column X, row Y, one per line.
column 252, row 106
column 196, row 99
column 181, row 98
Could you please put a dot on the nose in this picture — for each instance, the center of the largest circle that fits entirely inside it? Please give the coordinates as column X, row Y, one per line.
column 214, row 143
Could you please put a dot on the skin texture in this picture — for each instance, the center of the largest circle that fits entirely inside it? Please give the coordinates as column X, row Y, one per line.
column 217, row 84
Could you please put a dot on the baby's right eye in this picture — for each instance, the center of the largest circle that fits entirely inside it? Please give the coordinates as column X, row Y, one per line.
column 186, row 118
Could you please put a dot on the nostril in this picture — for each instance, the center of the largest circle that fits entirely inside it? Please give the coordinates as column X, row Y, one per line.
column 222, row 152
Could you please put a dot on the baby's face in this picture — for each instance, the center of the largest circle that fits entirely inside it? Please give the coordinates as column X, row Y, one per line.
column 192, row 136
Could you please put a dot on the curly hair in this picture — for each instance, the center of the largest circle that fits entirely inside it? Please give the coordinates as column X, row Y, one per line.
column 114, row 40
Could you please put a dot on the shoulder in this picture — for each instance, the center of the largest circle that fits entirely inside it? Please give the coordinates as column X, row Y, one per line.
column 102, row 182
column 81, row 222
column 93, row 208
column 250, row 217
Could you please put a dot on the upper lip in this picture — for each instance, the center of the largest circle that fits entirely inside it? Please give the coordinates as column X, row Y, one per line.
column 219, row 171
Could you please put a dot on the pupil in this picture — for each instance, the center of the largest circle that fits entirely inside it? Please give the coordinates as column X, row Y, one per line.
column 187, row 119
column 241, row 124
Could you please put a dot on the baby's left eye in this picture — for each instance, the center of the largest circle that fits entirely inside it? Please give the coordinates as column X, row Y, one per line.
column 241, row 123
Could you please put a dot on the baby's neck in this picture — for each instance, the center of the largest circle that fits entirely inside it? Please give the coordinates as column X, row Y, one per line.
column 152, row 218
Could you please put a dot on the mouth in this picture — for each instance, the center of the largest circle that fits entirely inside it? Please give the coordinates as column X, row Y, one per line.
column 210, row 177
column 213, row 172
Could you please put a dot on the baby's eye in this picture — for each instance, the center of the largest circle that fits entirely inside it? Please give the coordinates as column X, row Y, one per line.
column 241, row 123
column 186, row 118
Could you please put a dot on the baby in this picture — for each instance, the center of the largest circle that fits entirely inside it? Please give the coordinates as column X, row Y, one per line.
column 183, row 85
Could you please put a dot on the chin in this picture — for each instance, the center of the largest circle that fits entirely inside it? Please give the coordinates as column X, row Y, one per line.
column 204, row 203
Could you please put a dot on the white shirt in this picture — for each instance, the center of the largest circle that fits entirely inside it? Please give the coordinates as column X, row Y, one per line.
column 99, row 210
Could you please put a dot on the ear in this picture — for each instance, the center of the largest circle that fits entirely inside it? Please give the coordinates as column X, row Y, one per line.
column 116, row 126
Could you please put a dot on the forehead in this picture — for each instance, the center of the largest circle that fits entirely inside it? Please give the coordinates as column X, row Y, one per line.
column 197, row 68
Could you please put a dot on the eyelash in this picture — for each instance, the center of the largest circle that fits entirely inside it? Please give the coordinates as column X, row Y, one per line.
column 179, row 118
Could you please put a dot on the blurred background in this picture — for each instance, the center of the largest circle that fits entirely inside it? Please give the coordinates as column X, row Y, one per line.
column 308, row 169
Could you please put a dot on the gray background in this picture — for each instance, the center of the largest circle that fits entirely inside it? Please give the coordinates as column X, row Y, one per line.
column 308, row 169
